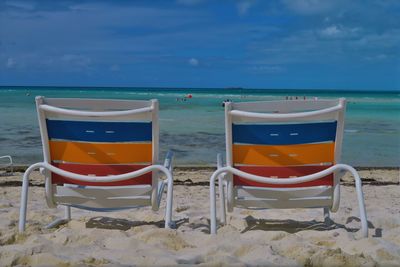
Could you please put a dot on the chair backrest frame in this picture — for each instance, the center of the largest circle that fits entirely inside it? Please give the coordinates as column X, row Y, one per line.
column 77, row 106
column 96, row 110
column 287, row 111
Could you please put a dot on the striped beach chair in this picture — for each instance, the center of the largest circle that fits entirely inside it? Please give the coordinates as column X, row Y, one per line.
column 100, row 155
column 283, row 154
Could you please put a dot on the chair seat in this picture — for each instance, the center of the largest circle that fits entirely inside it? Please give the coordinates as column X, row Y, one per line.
column 103, row 197
column 283, row 198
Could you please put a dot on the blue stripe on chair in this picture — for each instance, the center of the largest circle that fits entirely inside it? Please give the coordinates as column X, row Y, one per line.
column 284, row 134
column 93, row 131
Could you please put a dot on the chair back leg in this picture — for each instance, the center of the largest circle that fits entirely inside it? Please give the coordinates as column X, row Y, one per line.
column 168, row 209
column 222, row 199
column 326, row 215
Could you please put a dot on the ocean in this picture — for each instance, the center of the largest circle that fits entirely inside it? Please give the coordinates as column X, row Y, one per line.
column 194, row 129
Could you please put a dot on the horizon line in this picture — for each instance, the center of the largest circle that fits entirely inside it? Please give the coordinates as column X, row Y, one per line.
column 201, row 88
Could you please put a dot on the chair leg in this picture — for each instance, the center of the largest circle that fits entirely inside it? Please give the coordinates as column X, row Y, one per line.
column 24, row 202
column 360, row 198
column 222, row 199
column 168, row 211
column 363, row 213
column 61, row 221
column 327, row 219
column 56, row 223
column 229, row 194
column 213, row 208
column 160, row 192
column 68, row 213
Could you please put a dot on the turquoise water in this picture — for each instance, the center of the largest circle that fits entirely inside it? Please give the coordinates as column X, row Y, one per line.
column 194, row 129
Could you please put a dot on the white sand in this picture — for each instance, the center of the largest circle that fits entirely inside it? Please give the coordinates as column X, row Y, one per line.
column 251, row 238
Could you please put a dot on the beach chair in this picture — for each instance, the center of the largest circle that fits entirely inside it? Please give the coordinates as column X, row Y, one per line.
column 7, row 164
column 283, row 154
column 100, row 155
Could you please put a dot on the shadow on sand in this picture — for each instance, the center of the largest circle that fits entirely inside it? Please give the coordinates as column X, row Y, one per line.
column 294, row 226
column 103, row 222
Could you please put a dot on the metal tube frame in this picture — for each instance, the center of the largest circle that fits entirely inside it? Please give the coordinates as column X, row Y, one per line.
column 46, row 168
column 99, row 179
column 11, row 164
column 297, row 180
column 224, row 174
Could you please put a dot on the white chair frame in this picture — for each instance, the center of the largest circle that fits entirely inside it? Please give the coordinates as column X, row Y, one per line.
column 239, row 111
column 136, row 109
column 9, row 164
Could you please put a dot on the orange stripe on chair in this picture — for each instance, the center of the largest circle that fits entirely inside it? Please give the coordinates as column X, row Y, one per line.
column 100, row 153
column 100, row 170
column 283, row 155
column 282, row 173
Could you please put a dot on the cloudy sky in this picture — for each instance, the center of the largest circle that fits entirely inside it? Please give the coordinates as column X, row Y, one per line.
column 333, row 44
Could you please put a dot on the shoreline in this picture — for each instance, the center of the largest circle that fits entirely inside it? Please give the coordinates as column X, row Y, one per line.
column 189, row 167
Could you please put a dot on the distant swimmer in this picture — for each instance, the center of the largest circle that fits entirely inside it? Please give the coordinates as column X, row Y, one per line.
column 225, row 101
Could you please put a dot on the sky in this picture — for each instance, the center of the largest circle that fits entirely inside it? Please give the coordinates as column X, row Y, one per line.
column 292, row 44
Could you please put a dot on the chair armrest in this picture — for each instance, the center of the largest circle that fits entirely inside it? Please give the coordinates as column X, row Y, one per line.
column 5, row 165
column 220, row 161
column 168, row 160
column 7, row 157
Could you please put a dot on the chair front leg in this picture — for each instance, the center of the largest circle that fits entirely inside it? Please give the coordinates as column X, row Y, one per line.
column 221, row 182
column 24, row 201
column 213, row 209
column 360, row 197
column 361, row 205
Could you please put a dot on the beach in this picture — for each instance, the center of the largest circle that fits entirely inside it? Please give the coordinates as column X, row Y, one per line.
column 282, row 96
column 136, row 237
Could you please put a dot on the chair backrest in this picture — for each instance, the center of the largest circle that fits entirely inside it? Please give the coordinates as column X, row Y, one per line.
column 284, row 139
column 99, row 137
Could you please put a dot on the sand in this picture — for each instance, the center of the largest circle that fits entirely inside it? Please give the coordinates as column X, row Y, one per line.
column 136, row 237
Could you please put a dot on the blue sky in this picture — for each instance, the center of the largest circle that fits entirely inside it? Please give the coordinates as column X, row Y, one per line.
column 328, row 44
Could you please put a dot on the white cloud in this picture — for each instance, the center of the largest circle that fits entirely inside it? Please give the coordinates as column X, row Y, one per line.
column 311, row 7
column 338, row 31
column 21, row 4
column 76, row 60
column 331, row 31
column 379, row 57
column 193, row 62
column 10, row 63
column 84, row 7
column 267, row 69
column 189, row 2
column 114, row 68
column 244, row 6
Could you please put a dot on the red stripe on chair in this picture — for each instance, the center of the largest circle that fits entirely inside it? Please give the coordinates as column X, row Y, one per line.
column 282, row 173
column 101, row 170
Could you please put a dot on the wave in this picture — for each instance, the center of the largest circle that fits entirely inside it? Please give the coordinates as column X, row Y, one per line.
column 351, row 131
